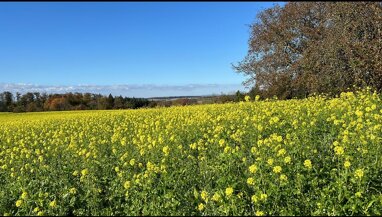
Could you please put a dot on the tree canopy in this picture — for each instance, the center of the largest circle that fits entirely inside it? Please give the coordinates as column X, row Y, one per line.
column 314, row 47
column 31, row 102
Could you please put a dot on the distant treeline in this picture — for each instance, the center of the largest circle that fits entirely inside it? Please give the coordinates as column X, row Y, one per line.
column 34, row 102
column 31, row 102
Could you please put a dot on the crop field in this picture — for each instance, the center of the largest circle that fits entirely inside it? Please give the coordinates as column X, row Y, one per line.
column 316, row 156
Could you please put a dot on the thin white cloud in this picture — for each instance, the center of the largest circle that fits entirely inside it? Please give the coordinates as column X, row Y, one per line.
column 129, row 90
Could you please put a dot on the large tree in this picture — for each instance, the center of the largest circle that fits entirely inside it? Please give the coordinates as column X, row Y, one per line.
column 315, row 47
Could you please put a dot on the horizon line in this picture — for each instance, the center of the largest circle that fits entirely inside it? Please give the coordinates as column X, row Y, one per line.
column 129, row 90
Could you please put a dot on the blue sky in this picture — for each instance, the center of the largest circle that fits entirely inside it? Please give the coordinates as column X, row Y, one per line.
column 61, row 46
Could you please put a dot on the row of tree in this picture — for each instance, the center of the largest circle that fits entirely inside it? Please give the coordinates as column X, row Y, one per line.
column 30, row 102
column 314, row 47
column 33, row 102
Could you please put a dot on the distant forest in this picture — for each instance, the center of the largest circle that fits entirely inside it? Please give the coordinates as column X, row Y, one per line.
column 35, row 102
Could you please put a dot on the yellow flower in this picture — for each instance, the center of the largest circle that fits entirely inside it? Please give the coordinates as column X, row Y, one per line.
column 277, row 169
column 359, row 113
column 73, row 190
column 270, row 161
column 116, row 169
column 227, row 149
column 308, row 164
column 228, row 191
column 127, row 184
column 250, row 181
column 36, row 209
column 259, row 213
column 75, row 173
column 336, row 143
column 24, row 195
column 201, row 207
column 358, row 194
column 193, row 146
column 247, row 98
column 18, row 203
column 253, row 168
column 281, row 152
column 257, row 97
column 166, row 150
column 84, row 172
column 263, row 197
column 53, row 203
column 339, row 150
column 287, row 159
column 221, row 142
column 216, row 197
column 359, row 173
column 347, row 164
column 132, row 162
column 204, row 195
column 283, row 177
column 41, row 213
column 254, row 199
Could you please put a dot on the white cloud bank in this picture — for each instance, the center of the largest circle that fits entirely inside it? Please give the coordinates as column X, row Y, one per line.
column 132, row 90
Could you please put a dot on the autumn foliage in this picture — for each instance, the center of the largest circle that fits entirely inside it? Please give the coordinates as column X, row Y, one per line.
column 314, row 47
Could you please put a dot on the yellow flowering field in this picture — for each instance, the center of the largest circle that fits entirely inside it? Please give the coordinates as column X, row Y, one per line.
column 316, row 156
